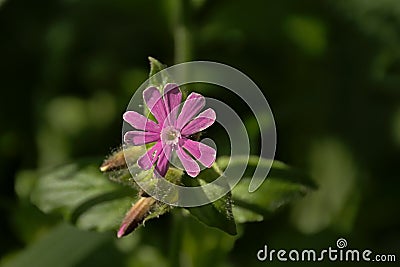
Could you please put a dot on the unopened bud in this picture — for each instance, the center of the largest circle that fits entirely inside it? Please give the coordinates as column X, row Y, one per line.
column 135, row 216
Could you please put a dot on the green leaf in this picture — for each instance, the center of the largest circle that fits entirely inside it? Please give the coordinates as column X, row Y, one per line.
column 155, row 66
column 203, row 245
column 24, row 183
column 156, row 78
column 283, row 185
column 279, row 170
column 83, row 196
column 63, row 246
column 160, row 79
column 104, row 216
column 87, row 198
column 271, row 195
column 243, row 215
column 218, row 213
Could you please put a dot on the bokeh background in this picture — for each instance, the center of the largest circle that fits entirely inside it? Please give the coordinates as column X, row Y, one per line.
column 329, row 69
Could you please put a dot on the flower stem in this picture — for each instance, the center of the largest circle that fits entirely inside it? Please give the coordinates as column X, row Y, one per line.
column 176, row 239
column 182, row 53
column 178, row 10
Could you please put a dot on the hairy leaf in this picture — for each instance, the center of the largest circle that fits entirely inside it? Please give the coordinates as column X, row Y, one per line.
column 218, row 213
column 283, row 185
column 77, row 190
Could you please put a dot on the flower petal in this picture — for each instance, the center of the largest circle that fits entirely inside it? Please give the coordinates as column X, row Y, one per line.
column 163, row 161
column 155, row 103
column 146, row 161
column 190, row 165
column 193, row 104
column 172, row 99
column 201, row 122
column 140, row 122
column 203, row 153
column 140, row 138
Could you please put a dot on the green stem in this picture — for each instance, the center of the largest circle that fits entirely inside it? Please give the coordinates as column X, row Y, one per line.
column 182, row 53
column 181, row 34
column 176, row 239
column 182, row 40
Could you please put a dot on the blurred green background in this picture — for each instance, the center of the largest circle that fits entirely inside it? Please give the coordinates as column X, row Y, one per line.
column 329, row 69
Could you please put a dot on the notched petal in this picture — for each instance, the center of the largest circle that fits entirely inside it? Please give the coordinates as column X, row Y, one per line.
column 192, row 106
column 205, row 154
column 140, row 138
column 155, row 103
column 148, row 159
column 190, row 165
column 163, row 161
column 140, row 122
column 201, row 122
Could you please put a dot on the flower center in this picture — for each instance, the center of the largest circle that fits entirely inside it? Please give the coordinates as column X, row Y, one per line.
column 170, row 135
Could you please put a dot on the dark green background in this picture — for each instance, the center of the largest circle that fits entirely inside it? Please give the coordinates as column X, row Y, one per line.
column 329, row 69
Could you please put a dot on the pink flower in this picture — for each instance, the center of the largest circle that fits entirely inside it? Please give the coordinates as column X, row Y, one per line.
column 172, row 132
